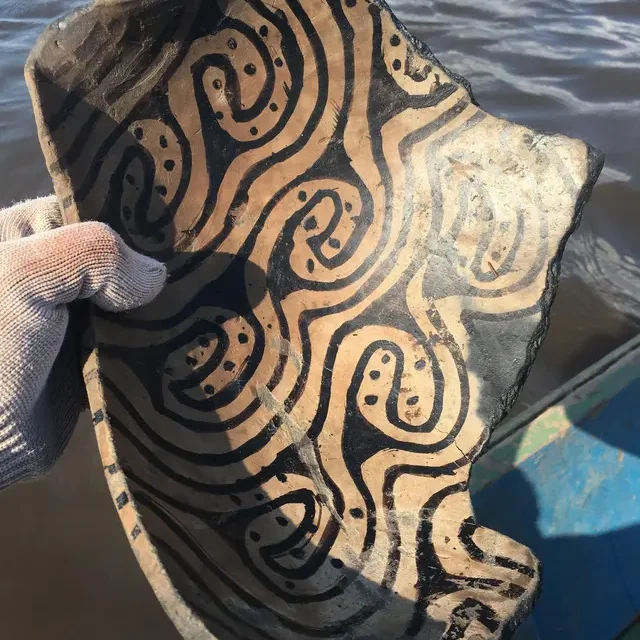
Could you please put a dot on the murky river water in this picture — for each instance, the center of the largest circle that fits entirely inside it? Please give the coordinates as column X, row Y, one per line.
column 571, row 66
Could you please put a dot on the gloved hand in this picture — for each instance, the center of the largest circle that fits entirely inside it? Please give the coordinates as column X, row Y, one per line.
column 43, row 268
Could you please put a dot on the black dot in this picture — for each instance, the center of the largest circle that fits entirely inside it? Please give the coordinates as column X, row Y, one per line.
column 337, row 563
column 413, row 400
column 278, row 62
column 386, row 358
column 162, row 190
column 169, row 165
column 138, row 133
column 302, row 196
column 269, row 326
column 283, row 522
column 235, row 499
column 217, row 84
column 395, row 40
column 350, row 3
column 273, row 106
column 191, row 361
column 209, row 390
column 219, row 115
column 298, row 554
column 310, row 266
column 163, row 142
column 334, row 243
column 229, row 366
column 370, row 400
column 357, row 513
column 255, row 536
column 253, row 131
column 259, row 497
column 264, row 31
column 126, row 212
column 250, row 69
column 243, row 338
column 397, row 65
column 420, row 365
column 203, row 341
column 348, row 206
column 231, row 43
column 130, row 179
column 282, row 477
column 310, row 224
column 374, row 375
column 289, row 584
column 220, row 319
column 159, row 237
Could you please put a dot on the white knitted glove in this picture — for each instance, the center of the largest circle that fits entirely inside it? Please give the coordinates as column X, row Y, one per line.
column 43, row 268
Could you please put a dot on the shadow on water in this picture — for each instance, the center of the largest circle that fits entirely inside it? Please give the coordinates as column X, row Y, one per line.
column 597, row 306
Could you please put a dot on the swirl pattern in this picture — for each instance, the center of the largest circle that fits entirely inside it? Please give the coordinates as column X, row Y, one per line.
column 361, row 264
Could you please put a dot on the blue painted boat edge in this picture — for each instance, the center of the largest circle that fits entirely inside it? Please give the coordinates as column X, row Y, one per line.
column 517, row 439
column 574, row 503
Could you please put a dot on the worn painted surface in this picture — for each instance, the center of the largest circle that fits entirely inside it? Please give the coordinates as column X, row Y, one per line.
column 572, row 497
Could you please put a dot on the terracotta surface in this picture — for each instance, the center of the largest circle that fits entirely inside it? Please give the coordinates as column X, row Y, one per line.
column 362, row 263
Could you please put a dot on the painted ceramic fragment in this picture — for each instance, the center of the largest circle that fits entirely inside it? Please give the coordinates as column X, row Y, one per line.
column 362, row 263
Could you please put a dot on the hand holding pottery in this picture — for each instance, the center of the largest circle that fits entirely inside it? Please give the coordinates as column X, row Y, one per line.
column 43, row 269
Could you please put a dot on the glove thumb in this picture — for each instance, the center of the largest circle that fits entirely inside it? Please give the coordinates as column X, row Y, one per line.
column 85, row 260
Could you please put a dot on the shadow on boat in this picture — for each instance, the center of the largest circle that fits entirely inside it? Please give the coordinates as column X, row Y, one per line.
column 570, row 493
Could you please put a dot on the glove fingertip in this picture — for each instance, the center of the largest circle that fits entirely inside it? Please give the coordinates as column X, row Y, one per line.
column 154, row 275
column 136, row 281
column 148, row 277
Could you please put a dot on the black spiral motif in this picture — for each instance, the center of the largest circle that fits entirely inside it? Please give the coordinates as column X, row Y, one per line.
column 346, row 233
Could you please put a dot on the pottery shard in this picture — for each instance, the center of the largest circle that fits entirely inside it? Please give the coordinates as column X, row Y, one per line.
column 362, row 263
